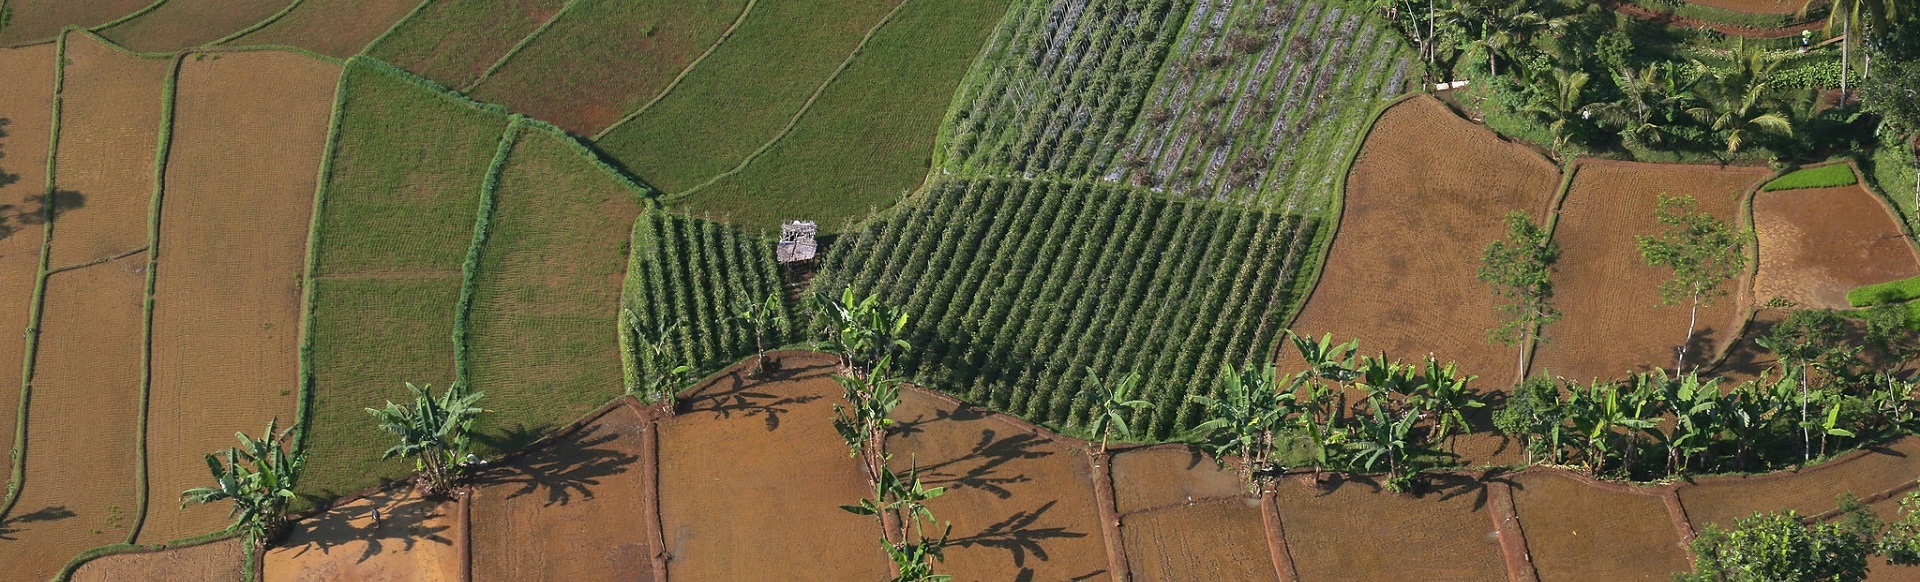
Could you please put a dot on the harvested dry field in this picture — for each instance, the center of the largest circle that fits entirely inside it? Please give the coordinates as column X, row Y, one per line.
column 27, row 109
column 1356, row 531
column 720, row 525
column 248, row 132
column 1428, row 193
column 1817, row 244
column 1021, row 504
column 1168, row 475
column 336, row 28
column 1215, row 539
column 179, row 24
column 109, row 126
column 81, row 443
column 39, row 20
column 221, row 560
column 570, row 511
column 1612, row 322
column 1721, row 500
column 413, row 541
column 1578, row 531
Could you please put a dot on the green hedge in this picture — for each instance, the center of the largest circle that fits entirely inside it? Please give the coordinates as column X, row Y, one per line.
column 1884, row 293
column 1828, row 176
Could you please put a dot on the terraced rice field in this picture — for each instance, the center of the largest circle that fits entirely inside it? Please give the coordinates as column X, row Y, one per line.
column 1818, row 244
column 454, row 42
column 24, row 140
column 110, row 112
column 220, row 560
column 179, row 24
column 336, row 28
column 33, row 21
column 249, row 129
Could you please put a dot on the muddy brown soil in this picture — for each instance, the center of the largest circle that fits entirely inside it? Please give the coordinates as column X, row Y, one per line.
column 41, row 20
column 1818, row 244
column 413, row 541
column 336, row 28
column 1579, row 532
column 179, row 24
column 1353, row 530
column 109, row 126
column 1216, row 539
column 570, row 511
column 222, row 560
column 1168, row 475
column 1721, row 500
column 27, row 107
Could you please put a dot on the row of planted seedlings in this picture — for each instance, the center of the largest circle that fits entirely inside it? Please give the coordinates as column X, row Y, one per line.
column 1065, row 85
column 699, row 295
column 1017, row 288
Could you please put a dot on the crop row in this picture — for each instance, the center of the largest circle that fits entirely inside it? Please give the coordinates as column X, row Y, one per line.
column 1064, row 82
column 1016, row 288
column 694, row 277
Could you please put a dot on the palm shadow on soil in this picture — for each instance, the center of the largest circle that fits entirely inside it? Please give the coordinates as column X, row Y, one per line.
column 404, row 523
column 1432, row 487
column 737, row 400
column 9, row 526
column 980, row 467
column 567, row 471
column 1017, row 535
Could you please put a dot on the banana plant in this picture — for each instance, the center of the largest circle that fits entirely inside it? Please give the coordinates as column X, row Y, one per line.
column 434, row 431
column 1244, row 418
column 863, row 420
column 1695, row 405
column 666, row 369
column 763, row 318
column 1113, row 403
column 1389, row 438
column 860, row 329
column 1447, row 394
column 259, row 477
column 903, row 499
column 1325, row 359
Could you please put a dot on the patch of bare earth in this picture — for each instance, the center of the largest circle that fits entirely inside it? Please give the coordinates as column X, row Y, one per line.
column 413, row 541
column 1353, row 530
column 571, row 511
column 221, row 560
column 1577, row 531
column 1721, row 500
column 26, row 118
column 110, row 124
column 1815, row 245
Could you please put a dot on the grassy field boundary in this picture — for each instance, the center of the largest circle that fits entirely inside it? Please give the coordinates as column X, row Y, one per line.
column 216, row 50
column 417, row 9
column 517, row 47
column 429, row 84
column 639, row 188
column 804, row 107
column 1568, row 170
column 165, row 144
column 18, row 455
column 74, row 565
column 482, row 222
column 303, row 400
column 724, row 35
column 268, row 21
column 1307, row 281
column 89, row 32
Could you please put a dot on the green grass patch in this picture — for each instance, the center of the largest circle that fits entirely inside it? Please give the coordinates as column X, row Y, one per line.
column 317, row 25
column 454, row 41
column 405, row 176
column 868, row 139
column 541, row 335
column 1884, row 293
column 1891, row 169
column 603, row 58
column 741, row 96
column 1827, row 176
column 696, row 274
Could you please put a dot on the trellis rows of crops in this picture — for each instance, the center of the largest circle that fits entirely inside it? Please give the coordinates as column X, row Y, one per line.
column 695, row 276
column 1016, row 287
column 1263, row 101
column 1059, row 85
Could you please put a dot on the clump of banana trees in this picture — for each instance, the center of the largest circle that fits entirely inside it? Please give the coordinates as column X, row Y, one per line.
column 657, row 370
column 435, row 431
column 901, row 498
column 258, row 477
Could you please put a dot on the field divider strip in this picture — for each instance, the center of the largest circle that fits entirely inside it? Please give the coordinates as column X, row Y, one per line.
column 18, row 476
column 650, row 484
column 1276, row 531
column 1108, row 506
column 272, row 18
column 303, row 399
column 724, row 35
column 124, row 19
column 1746, row 298
column 164, row 141
column 463, row 534
column 482, row 221
column 804, row 107
column 517, row 47
column 1677, row 511
column 1551, row 216
column 73, row 565
column 1513, row 537
column 417, row 9
column 99, row 261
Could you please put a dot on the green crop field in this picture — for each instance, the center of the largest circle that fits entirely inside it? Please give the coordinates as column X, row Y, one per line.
column 454, row 42
column 694, row 276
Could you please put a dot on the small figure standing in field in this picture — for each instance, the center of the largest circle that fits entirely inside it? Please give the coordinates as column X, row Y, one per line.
column 376, row 519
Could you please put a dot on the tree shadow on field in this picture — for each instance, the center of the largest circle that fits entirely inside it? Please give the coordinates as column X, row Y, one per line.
column 1018, row 535
column 1433, row 487
column 570, row 468
column 33, row 210
column 512, row 438
column 981, row 466
column 53, row 513
column 401, row 520
column 741, row 398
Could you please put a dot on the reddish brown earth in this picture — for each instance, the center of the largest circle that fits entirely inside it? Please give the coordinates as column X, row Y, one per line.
column 179, row 24
column 412, row 541
column 248, row 132
column 453, row 43
column 723, row 522
column 110, row 124
column 1577, row 531
column 1216, row 539
column 41, row 20
column 1425, row 175
column 1613, row 323
column 1721, row 500
column 570, row 511
column 336, row 28
column 221, row 560
column 1021, row 504
column 1356, row 531
column 1817, row 244
column 27, row 108
column 1167, row 475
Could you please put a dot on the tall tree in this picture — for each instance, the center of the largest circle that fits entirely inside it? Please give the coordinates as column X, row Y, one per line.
column 1703, row 253
column 1519, row 268
column 258, row 476
column 1875, row 15
column 1111, row 403
column 1564, row 107
column 434, row 431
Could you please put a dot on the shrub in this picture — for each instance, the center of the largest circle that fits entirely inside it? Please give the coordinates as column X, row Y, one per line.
column 1885, row 293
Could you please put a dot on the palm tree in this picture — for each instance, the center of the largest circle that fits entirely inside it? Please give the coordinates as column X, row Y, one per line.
column 1244, row 418
column 762, row 318
column 1505, row 26
column 1878, row 15
column 1742, row 101
column 436, row 432
column 1564, row 106
column 1113, row 403
column 259, row 477
column 1651, row 100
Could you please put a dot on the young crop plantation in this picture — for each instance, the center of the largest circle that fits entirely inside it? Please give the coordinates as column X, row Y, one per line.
column 924, row 290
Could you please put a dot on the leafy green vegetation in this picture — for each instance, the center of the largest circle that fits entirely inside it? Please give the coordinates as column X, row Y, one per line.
column 1884, row 293
column 1827, row 176
column 1016, row 289
column 693, row 278
column 454, row 41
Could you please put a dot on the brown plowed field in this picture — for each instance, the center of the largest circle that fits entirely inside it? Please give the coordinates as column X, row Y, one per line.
column 1576, row 531
column 1722, row 500
column 1745, row 359
column 110, row 124
column 721, row 523
column 1356, row 531
column 180, row 24
column 336, row 28
column 81, row 457
column 413, row 542
column 27, row 108
column 39, row 20
column 1428, row 193
column 1220, row 539
column 248, row 132
column 1167, row 475
column 568, row 512
column 211, row 562
column 1022, row 505
column 1613, row 323
column 1815, row 245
